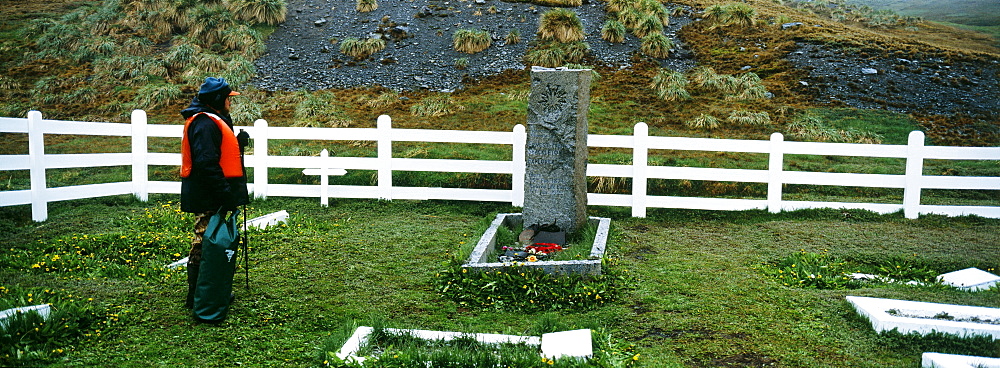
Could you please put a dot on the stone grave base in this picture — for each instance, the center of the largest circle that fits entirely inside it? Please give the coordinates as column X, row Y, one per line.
column 575, row 343
column 484, row 256
column 938, row 360
column 923, row 319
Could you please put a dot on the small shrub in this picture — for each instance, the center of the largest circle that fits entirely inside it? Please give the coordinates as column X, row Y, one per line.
column 364, row 6
column 613, row 31
column 743, row 117
column 656, row 45
column 703, row 121
column 562, row 25
column 670, row 85
column 461, row 63
column 471, row 41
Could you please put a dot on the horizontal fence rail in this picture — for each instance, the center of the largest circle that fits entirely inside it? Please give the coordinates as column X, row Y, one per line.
column 912, row 181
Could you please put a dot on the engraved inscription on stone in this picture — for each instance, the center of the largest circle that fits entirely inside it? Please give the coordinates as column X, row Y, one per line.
column 555, row 187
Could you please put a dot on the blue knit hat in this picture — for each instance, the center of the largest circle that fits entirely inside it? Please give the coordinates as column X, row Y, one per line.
column 218, row 86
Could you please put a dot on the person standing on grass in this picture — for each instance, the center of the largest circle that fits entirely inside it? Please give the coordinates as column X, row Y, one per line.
column 212, row 174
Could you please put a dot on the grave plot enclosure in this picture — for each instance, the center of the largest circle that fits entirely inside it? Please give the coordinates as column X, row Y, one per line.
column 484, row 256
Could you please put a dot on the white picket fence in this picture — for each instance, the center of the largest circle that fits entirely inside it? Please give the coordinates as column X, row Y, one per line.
column 912, row 182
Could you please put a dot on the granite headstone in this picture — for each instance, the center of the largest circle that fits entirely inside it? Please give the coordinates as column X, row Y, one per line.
column 555, row 181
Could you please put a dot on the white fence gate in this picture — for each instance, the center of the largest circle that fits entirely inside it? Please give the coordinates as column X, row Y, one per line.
column 912, row 182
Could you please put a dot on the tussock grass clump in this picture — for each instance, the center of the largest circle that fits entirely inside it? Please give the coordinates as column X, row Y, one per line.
column 647, row 24
column 471, row 41
column 270, row 12
column 514, row 36
column 561, row 25
column 752, row 118
column 364, row 6
column 670, row 85
column 244, row 40
column 745, row 87
column 703, row 121
column 557, row 54
column 810, row 127
column 549, row 57
column 560, row 3
column 740, row 14
column 461, row 63
column 656, row 45
column 435, row 106
column 154, row 96
column 613, row 31
column 361, row 48
column 317, row 110
column 381, row 101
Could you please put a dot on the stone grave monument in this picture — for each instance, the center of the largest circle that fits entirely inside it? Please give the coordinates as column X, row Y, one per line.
column 555, row 180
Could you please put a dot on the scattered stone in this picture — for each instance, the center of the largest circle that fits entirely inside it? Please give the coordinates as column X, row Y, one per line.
column 869, row 71
column 320, row 23
column 790, row 25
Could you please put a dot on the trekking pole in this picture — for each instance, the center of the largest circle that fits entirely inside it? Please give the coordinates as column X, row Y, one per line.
column 244, row 140
column 246, row 248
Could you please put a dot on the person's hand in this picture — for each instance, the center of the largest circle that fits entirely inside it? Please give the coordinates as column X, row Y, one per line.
column 243, row 138
column 228, row 202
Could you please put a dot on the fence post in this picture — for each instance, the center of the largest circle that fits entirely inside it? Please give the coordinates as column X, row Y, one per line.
column 260, row 159
column 36, row 162
column 914, row 174
column 140, row 151
column 517, row 176
column 774, row 173
column 640, row 159
column 324, row 178
column 384, row 129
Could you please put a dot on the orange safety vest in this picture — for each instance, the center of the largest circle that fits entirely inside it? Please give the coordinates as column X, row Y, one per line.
column 229, row 160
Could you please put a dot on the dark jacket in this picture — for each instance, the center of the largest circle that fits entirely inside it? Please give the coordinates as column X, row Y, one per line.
column 207, row 189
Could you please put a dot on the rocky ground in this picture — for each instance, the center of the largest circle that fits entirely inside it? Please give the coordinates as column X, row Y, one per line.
column 303, row 54
column 921, row 85
column 419, row 52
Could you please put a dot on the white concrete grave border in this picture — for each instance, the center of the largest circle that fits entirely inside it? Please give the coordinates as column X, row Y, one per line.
column 574, row 343
column 970, row 279
column 261, row 222
column 42, row 310
column 483, row 255
column 876, row 310
column 938, row 360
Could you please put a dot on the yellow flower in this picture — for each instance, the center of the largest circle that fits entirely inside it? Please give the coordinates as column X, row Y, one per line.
column 532, row 259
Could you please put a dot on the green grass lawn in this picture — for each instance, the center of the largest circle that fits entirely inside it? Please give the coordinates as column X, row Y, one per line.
column 699, row 296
